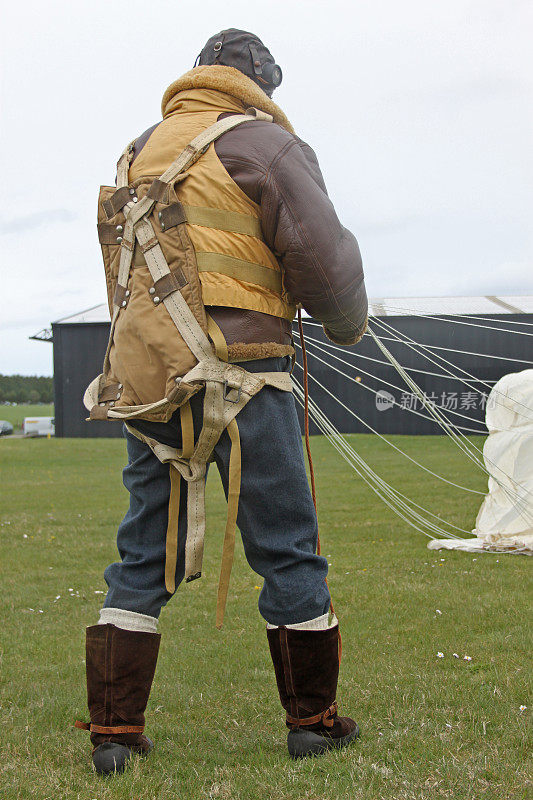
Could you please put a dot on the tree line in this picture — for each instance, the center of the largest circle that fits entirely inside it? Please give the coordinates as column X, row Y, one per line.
column 26, row 389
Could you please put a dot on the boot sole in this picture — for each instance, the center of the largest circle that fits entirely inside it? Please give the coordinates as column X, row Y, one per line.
column 111, row 758
column 308, row 743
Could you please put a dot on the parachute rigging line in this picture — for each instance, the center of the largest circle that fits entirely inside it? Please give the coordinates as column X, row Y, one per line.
column 318, row 347
column 461, row 441
column 346, row 352
column 456, row 321
column 308, row 448
column 412, row 344
column 387, row 441
column 399, row 503
column 512, row 495
column 436, row 347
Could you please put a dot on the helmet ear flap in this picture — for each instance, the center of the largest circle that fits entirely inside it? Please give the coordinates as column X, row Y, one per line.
column 269, row 72
column 256, row 61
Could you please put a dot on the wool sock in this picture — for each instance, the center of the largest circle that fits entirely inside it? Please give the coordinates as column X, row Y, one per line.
column 321, row 623
column 128, row 620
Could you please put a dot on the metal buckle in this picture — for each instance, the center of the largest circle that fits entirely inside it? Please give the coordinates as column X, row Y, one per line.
column 228, row 388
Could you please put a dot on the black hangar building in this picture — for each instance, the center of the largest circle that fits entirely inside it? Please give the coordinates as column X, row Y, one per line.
column 454, row 348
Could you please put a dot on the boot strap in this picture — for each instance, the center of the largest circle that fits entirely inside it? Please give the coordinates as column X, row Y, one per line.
column 325, row 717
column 106, row 730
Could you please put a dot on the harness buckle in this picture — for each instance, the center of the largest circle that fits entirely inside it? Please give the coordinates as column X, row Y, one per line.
column 228, row 388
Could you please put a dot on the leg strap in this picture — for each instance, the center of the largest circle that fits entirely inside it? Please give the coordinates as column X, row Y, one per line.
column 217, row 337
column 187, row 430
column 172, row 530
column 234, row 490
column 196, row 523
column 194, row 545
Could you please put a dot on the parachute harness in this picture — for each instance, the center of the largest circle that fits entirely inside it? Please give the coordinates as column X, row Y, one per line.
column 228, row 387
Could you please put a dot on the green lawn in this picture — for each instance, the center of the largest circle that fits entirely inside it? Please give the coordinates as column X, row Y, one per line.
column 431, row 727
column 15, row 414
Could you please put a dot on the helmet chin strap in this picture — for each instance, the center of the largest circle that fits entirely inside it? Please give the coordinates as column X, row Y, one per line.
column 268, row 88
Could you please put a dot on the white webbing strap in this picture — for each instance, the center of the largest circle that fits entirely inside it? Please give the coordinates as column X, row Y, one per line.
column 123, row 165
column 212, row 427
column 194, row 543
column 126, row 251
column 176, row 305
column 168, row 454
column 233, row 492
column 200, row 143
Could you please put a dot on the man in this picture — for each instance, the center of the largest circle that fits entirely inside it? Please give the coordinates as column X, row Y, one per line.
column 253, row 211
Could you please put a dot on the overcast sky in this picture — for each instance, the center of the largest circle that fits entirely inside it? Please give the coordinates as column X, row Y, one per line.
column 420, row 114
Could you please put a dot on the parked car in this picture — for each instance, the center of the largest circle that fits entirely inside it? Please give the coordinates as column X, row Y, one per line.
column 6, row 428
column 38, row 426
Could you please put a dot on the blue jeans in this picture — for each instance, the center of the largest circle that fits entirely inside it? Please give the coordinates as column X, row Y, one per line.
column 276, row 516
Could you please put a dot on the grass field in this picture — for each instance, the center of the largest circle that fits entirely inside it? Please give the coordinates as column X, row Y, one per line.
column 15, row 414
column 431, row 727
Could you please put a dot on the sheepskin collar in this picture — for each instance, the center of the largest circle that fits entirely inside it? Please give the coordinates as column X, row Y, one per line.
column 230, row 82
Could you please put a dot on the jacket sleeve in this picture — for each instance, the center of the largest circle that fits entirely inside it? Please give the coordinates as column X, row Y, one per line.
column 321, row 260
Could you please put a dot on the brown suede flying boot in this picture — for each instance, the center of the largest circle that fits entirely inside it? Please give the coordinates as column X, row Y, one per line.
column 120, row 669
column 306, row 664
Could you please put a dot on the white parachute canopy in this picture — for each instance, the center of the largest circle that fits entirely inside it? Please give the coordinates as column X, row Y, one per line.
column 505, row 520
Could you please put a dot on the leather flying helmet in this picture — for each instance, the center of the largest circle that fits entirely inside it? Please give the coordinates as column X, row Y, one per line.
column 247, row 53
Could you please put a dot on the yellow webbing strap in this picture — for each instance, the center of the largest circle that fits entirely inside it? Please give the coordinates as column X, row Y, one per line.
column 187, row 430
column 223, row 220
column 216, row 218
column 234, row 490
column 217, row 337
column 172, row 530
column 241, row 270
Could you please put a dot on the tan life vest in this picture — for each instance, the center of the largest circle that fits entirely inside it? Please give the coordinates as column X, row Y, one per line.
column 237, row 269
column 158, row 318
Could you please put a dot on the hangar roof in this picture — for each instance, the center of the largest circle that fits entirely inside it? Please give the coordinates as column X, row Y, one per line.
column 386, row 307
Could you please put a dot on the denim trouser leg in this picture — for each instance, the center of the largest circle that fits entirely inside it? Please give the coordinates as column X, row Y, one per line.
column 276, row 516
column 137, row 582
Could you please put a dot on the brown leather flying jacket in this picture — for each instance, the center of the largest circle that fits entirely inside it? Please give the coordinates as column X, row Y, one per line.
column 320, row 259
